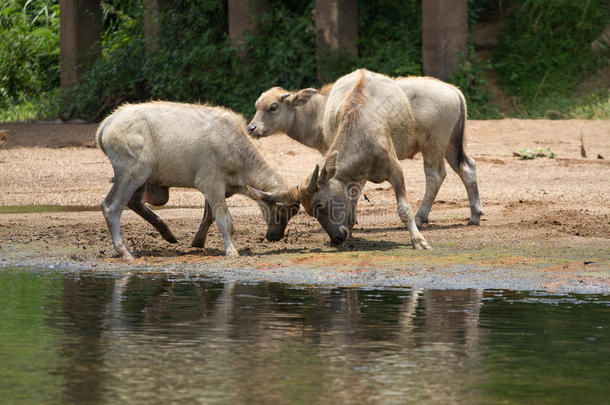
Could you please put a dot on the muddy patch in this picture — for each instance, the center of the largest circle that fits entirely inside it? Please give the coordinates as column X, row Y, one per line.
column 582, row 222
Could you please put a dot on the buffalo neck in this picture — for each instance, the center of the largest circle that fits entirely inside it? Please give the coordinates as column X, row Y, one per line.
column 257, row 172
column 306, row 126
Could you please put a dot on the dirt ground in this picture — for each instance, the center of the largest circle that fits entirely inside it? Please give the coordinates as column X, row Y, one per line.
column 544, row 215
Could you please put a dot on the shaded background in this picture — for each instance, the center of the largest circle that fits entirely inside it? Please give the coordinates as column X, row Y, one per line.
column 535, row 58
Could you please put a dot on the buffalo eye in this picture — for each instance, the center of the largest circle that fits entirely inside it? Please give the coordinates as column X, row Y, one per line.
column 273, row 107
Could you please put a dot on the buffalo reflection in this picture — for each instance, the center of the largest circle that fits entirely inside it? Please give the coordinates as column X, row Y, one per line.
column 147, row 335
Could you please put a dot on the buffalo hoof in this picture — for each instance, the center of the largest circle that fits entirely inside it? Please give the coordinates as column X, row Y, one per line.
column 420, row 244
column 475, row 219
column 127, row 256
column 197, row 244
column 419, row 221
column 232, row 253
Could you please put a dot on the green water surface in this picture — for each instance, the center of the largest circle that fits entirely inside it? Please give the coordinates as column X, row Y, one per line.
column 142, row 338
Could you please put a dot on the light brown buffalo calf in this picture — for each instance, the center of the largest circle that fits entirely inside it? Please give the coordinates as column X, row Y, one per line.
column 154, row 146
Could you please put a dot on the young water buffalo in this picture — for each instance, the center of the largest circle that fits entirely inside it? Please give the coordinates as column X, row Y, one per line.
column 154, row 146
column 439, row 115
column 372, row 120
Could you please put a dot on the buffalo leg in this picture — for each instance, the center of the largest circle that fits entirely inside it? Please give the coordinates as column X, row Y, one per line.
column 468, row 173
column 112, row 207
column 405, row 213
column 354, row 191
column 202, row 233
column 224, row 222
column 137, row 206
column 434, row 168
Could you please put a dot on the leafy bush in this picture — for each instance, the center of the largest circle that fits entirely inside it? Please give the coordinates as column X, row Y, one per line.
column 282, row 52
column 546, row 51
column 29, row 53
column 194, row 60
column 389, row 37
column 470, row 79
column 117, row 76
column 108, row 83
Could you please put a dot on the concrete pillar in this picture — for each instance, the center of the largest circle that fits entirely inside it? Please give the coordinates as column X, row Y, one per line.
column 152, row 26
column 444, row 35
column 79, row 38
column 242, row 18
column 337, row 32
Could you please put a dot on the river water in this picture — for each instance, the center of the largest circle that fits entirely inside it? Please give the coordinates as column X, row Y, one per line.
column 143, row 338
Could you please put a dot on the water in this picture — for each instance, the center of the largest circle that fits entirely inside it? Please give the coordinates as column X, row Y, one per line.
column 82, row 338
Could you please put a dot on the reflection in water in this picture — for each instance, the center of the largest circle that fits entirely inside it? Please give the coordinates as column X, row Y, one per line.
column 82, row 318
column 156, row 339
column 272, row 344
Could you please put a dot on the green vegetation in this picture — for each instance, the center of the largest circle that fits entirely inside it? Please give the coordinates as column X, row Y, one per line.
column 548, row 50
column 29, row 59
column 528, row 154
column 551, row 61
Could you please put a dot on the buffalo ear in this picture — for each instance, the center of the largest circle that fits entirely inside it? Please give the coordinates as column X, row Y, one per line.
column 330, row 167
column 302, row 97
column 312, row 187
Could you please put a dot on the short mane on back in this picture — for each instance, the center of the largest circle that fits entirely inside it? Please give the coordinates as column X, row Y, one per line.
column 354, row 100
column 324, row 90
